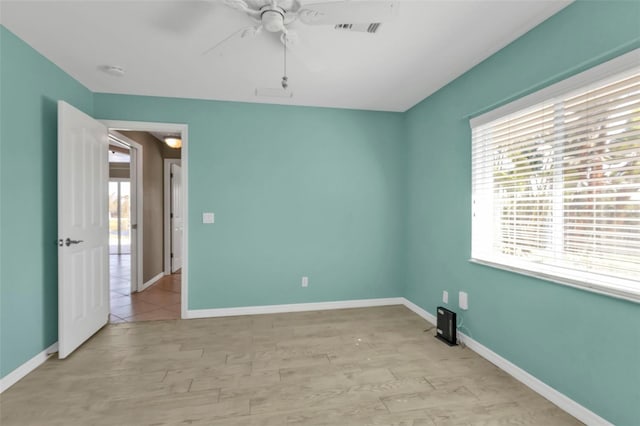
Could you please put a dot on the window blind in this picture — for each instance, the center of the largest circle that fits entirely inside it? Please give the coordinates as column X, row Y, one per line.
column 556, row 187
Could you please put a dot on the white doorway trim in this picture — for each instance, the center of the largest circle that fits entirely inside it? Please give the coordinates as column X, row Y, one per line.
column 136, row 178
column 184, row 131
column 167, row 211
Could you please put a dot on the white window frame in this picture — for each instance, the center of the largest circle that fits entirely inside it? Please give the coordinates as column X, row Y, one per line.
column 610, row 286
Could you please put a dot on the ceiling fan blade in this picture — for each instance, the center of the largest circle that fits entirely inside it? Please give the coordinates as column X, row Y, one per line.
column 244, row 7
column 348, row 12
column 247, row 32
column 291, row 14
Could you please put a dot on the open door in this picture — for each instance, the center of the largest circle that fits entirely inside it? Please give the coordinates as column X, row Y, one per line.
column 83, row 245
column 136, row 219
column 177, row 222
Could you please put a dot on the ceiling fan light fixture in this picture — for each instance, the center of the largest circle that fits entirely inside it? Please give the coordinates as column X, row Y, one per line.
column 273, row 20
column 173, row 142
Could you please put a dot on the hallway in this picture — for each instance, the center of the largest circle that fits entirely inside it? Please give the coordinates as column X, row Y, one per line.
column 161, row 301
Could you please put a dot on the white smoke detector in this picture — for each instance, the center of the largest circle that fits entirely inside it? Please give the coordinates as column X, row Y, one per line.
column 112, row 70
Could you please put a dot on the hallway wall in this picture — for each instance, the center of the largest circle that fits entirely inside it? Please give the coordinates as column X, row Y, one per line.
column 152, row 203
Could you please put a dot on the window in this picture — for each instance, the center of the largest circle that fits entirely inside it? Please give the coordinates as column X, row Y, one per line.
column 556, row 182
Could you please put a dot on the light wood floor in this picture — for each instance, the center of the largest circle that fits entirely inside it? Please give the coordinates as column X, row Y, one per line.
column 371, row 366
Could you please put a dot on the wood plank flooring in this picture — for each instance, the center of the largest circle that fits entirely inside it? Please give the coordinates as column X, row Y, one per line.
column 370, row 366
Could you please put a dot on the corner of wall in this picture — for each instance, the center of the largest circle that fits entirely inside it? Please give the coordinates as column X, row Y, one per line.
column 404, row 267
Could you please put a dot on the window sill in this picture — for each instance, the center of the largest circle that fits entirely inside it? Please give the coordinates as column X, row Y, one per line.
column 624, row 294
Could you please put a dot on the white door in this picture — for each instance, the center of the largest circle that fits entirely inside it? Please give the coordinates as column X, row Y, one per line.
column 133, row 215
column 83, row 245
column 177, row 222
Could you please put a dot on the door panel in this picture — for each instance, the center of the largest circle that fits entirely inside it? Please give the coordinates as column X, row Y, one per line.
column 83, row 274
column 136, row 227
column 177, row 223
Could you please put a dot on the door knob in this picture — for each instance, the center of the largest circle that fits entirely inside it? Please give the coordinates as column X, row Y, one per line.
column 69, row 241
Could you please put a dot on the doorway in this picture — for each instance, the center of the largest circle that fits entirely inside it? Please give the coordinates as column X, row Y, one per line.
column 83, row 223
column 125, row 220
column 159, row 293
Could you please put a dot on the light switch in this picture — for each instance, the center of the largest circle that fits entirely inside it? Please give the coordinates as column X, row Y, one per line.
column 208, row 218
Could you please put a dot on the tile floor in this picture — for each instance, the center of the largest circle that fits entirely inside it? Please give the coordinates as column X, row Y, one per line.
column 161, row 301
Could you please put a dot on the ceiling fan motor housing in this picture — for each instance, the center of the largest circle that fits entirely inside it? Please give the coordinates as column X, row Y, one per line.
column 273, row 19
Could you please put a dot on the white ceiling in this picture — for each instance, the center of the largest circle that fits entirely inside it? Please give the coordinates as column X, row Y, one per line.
column 160, row 45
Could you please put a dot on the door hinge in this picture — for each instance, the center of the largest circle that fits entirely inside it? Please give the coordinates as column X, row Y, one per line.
column 171, row 175
column 172, row 255
column 171, row 215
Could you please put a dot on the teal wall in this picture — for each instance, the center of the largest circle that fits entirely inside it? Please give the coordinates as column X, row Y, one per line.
column 367, row 204
column 30, row 87
column 585, row 345
column 296, row 192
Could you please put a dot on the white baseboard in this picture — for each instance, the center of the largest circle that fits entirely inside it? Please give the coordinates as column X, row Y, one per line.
column 296, row 307
column 421, row 312
column 561, row 400
column 12, row 378
column 152, row 281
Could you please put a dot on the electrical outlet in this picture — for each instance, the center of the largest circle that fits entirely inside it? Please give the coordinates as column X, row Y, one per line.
column 305, row 281
column 445, row 296
column 463, row 300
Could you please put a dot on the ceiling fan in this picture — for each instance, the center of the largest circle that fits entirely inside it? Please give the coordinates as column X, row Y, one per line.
column 276, row 16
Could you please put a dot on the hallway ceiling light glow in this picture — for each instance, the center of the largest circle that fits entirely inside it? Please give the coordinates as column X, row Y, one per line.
column 173, row 142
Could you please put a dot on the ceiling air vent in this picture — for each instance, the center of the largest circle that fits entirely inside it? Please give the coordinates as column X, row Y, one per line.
column 361, row 28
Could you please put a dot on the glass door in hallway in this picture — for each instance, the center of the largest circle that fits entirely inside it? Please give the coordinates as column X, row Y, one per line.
column 119, row 217
column 119, row 238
